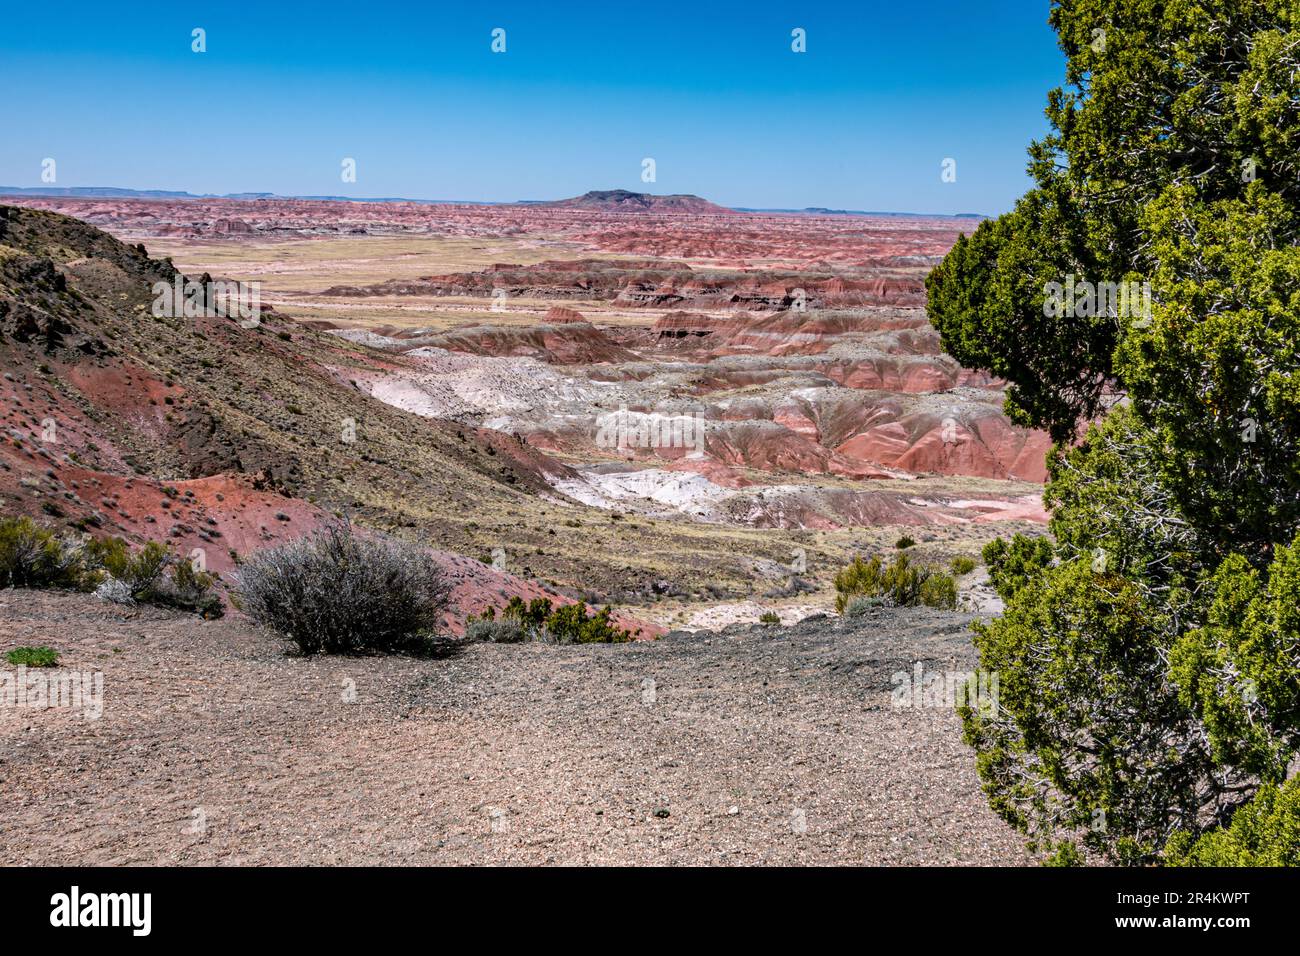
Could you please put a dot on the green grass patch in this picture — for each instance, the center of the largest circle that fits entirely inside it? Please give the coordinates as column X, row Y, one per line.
column 33, row 657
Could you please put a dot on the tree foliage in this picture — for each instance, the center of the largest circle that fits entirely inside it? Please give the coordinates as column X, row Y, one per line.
column 1150, row 653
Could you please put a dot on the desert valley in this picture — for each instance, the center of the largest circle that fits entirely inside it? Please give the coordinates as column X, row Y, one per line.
column 695, row 413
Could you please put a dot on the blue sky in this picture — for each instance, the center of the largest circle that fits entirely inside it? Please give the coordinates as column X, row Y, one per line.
column 584, row 92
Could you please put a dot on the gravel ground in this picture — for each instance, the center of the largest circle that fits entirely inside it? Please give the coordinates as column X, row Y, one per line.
column 751, row 746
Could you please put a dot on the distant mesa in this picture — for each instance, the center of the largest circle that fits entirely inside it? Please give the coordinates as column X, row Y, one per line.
column 95, row 192
column 624, row 200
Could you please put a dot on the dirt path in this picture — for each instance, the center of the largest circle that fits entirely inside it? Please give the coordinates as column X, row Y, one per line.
column 775, row 745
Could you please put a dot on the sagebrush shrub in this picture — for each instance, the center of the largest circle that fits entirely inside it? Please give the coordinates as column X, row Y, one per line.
column 858, row 606
column 496, row 632
column 937, row 589
column 187, row 587
column 335, row 592
column 139, row 572
column 113, row 591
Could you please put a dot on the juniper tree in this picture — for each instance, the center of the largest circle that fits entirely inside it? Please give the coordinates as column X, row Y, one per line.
column 1150, row 657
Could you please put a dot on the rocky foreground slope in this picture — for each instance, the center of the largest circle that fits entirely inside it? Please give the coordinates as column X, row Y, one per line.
column 758, row 745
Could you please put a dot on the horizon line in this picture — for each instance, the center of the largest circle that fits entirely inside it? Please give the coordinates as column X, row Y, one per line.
column 124, row 192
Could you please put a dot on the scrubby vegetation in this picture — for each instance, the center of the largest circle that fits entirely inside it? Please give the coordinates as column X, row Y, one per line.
column 336, row 592
column 491, row 631
column 901, row 583
column 905, row 542
column 539, row 620
column 1150, row 679
column 858, row 606
column 33, row 657
column 35, row 557
column 152, row 575
column 769, row 617
column 962, row 565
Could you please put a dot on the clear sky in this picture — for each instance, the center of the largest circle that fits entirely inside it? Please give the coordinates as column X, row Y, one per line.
column 584, row 92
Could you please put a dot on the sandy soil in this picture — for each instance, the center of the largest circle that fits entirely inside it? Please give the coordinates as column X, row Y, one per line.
column 747, row 612
column 764, row 745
